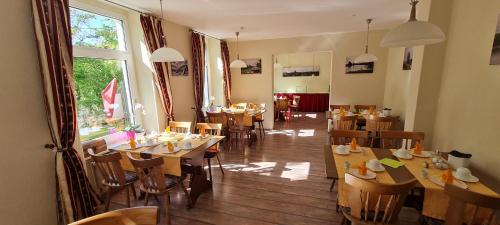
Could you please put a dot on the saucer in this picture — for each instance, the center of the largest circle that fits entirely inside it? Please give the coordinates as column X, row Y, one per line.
column 380, row 168
column 358, row 149
column 409, row 156
column 471, row 179
column 423, row 154
column 369, row 174
column 341, row 153
column 176, row 149
column 437, row 180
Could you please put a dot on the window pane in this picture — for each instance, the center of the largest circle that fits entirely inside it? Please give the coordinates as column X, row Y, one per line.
column 102, row 96
column 97, row 31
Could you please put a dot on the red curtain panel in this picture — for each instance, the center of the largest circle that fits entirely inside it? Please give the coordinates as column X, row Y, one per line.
column 51, row 19
column 310, row 102
column 227, row 72
column 153, row 35
column 198, row 50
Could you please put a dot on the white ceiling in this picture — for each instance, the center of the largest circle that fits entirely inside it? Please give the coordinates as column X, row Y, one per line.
column 264, row 19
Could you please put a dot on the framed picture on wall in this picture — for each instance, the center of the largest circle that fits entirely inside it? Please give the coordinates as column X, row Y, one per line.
column 254, row 66
column 352, row 68
column 305, row 71
column 408, row 58
column 179, row 68
column 495, row 51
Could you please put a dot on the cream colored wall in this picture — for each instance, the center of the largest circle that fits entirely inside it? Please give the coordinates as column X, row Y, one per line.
column 467, row 112
column 346, row 89
column 27, row 189
column 397, row 82
column 309, row 84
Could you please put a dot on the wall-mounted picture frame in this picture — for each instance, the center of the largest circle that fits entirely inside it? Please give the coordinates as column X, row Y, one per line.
column 408, row 58
column 254, row 66
column 495, row 51
column 355, row 68
column 303, row 71
column 179, row 68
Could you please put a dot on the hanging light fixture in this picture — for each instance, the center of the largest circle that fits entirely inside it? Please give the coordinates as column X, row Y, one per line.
column 366, row 57
column 237, row 63
column 277, row 65
column 413, row 32
column 165, row 54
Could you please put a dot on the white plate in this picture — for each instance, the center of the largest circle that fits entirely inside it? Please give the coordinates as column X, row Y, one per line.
column 379, row 169
column 472, row 179
column 438, row 181
column 423, row 154
column 409, row 156
column 358, row 149
column 176, row 149
column 369, row 174
column 127, row 146
column 150, row 145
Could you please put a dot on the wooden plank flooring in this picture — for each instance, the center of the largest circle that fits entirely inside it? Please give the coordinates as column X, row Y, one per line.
column 278, row 180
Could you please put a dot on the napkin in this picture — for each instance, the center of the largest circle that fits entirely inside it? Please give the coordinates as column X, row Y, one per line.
column 418, row 149
column 391, row 162
column 353, row 144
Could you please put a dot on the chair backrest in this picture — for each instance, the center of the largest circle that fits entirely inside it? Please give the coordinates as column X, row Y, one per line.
column 240, row 105
column 180, row 127
column 342, row 137
column 150, row 173
column 345, row 107
column 373, row 202
column 296, row 100
column 282, row 104
column 344, row 122
column 97, row 146
column 217, row 118
column 398, row 139
column 360, row 108
column 110, row 168
column 460, row 198
column 210, row 128
column 235, row 121
column 145, row 215
column 376, row 124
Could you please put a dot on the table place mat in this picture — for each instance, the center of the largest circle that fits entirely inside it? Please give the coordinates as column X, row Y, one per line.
column 391, row 162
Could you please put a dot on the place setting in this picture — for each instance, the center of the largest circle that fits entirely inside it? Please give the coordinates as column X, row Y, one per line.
column 361, row 171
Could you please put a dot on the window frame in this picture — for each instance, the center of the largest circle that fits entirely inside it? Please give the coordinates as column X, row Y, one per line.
column 125, row 56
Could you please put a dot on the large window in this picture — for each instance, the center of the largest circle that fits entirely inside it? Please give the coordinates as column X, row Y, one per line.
column 100, row 72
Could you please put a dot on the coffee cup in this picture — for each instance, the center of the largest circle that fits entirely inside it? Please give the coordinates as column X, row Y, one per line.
column 374, row 164
column 402, row 152
column 188, row 145
column 342, row 149
column 463, row 173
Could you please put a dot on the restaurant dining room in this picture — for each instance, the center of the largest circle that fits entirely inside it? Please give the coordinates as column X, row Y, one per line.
column 263, row 112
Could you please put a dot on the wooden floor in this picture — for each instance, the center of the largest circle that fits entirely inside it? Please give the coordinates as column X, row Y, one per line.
column 278, row 180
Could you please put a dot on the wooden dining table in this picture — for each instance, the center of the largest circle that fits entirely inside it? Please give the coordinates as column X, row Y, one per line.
column 435, row 201
column 187, row 160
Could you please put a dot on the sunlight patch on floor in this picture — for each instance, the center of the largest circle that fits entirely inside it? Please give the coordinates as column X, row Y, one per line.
column 285, row 132
column 312, row 115
column 258, row 167
column 296, row 171
column 306, row 133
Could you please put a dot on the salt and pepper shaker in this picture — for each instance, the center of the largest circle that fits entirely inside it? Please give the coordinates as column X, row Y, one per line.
column 424, row 172
column 347, row 165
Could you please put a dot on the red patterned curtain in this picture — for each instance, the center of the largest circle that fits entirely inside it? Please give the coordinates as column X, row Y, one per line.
column 198, row 49
column 227, row 72
column 75, row 199
column 153, row 34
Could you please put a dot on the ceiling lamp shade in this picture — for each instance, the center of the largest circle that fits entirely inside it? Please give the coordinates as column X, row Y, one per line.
column 413, row 32
column 237, row 63
column 164, row 53
column 366, row 57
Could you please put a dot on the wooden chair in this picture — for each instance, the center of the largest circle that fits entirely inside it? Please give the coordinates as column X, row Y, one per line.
column 219, row 117
column 236, row 128
column 460, row 198
column 361, row 108
column 98, row 146
column 344, row 122
column 154, row 182
column 294, row 107
column 146, row 215
column 398, row 139
column 281, row 108
column 212, row 129
column 113, row 175
column 376, row 124
column 345, row 107
column 343, row 137
column 180, row 127
column 259, row 119
column 240, row 105
column 375, row 203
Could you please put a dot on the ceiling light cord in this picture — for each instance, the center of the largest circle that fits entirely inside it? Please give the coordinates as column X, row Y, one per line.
column 237, row 45
column 368, row 21
column 163, row 36
column 413, row 14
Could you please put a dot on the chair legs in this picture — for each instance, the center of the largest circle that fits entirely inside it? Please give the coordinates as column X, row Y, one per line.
column 127, row 190
column 220, row 165
column 108, row 198
column 166, row 206
column 333, row 184
column 209, row 169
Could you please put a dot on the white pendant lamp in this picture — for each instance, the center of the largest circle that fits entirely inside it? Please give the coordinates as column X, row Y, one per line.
column 413, row 32
column 165, row 54
column 366, row 57
column 237, row 63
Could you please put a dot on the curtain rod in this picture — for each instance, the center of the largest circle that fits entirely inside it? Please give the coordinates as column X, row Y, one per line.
column 195, row 31
column 124, row 6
